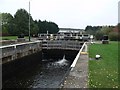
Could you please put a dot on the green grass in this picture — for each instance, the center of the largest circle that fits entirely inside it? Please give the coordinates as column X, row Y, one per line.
column 11, row 37
column 103, row 73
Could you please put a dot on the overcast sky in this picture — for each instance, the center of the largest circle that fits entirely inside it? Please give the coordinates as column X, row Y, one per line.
column 67, row 13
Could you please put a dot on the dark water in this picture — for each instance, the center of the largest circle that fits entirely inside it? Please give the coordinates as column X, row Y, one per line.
column 47, row 73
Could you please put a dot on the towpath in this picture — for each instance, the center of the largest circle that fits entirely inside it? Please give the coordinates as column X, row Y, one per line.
column 78, row 76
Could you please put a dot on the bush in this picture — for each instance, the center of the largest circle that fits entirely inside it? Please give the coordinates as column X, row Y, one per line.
column 99, row 35
column 114, row 36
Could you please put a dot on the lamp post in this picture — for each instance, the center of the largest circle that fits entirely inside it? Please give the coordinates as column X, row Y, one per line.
column 29, row 20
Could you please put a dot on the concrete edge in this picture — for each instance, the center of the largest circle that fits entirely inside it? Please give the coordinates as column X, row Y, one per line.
column 77, row 57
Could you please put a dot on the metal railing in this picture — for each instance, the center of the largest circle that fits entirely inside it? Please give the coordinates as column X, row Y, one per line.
column 60, row 44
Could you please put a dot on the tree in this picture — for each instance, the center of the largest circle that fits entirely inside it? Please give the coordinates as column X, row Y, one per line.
column 19, row 24
column 21, row 19
column 92, row 29
column 7, row 24
column 106, row 29
column 99, row 35
column 34, row 29
column 45, row 26
column 52, row 27
column 88, row 28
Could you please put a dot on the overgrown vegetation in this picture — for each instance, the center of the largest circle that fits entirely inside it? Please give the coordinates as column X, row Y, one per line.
column 103, row 73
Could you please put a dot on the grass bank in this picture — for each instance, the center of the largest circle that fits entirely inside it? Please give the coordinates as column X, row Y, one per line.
column 103, row 73
column 11, row 37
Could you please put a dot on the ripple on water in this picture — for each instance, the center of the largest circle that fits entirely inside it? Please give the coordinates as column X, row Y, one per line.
column 47, row 75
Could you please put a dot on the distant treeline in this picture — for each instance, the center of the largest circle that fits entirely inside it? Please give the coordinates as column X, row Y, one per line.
column 99, row 31
column 19, row 24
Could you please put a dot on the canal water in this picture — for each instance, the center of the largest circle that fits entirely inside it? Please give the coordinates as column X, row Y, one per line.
column 46, row 73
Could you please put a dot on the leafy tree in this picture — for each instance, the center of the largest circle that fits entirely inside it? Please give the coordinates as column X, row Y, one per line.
column 34, row 29
column 92, row 29
column 99, row 35
column 45, row 26
column 106, row 30
column 19, row 24
column 88, row 28
column 53, row 28
column 7, row 24
column 21, row 19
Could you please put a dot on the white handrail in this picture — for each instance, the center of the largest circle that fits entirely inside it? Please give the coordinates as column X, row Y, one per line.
column 75, row 60
column 18, row 44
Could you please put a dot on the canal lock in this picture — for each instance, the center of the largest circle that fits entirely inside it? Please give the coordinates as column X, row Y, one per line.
column 44, row 69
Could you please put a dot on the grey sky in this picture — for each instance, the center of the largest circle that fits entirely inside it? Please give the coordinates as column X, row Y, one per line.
column 68, row 13
column 119, row 12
